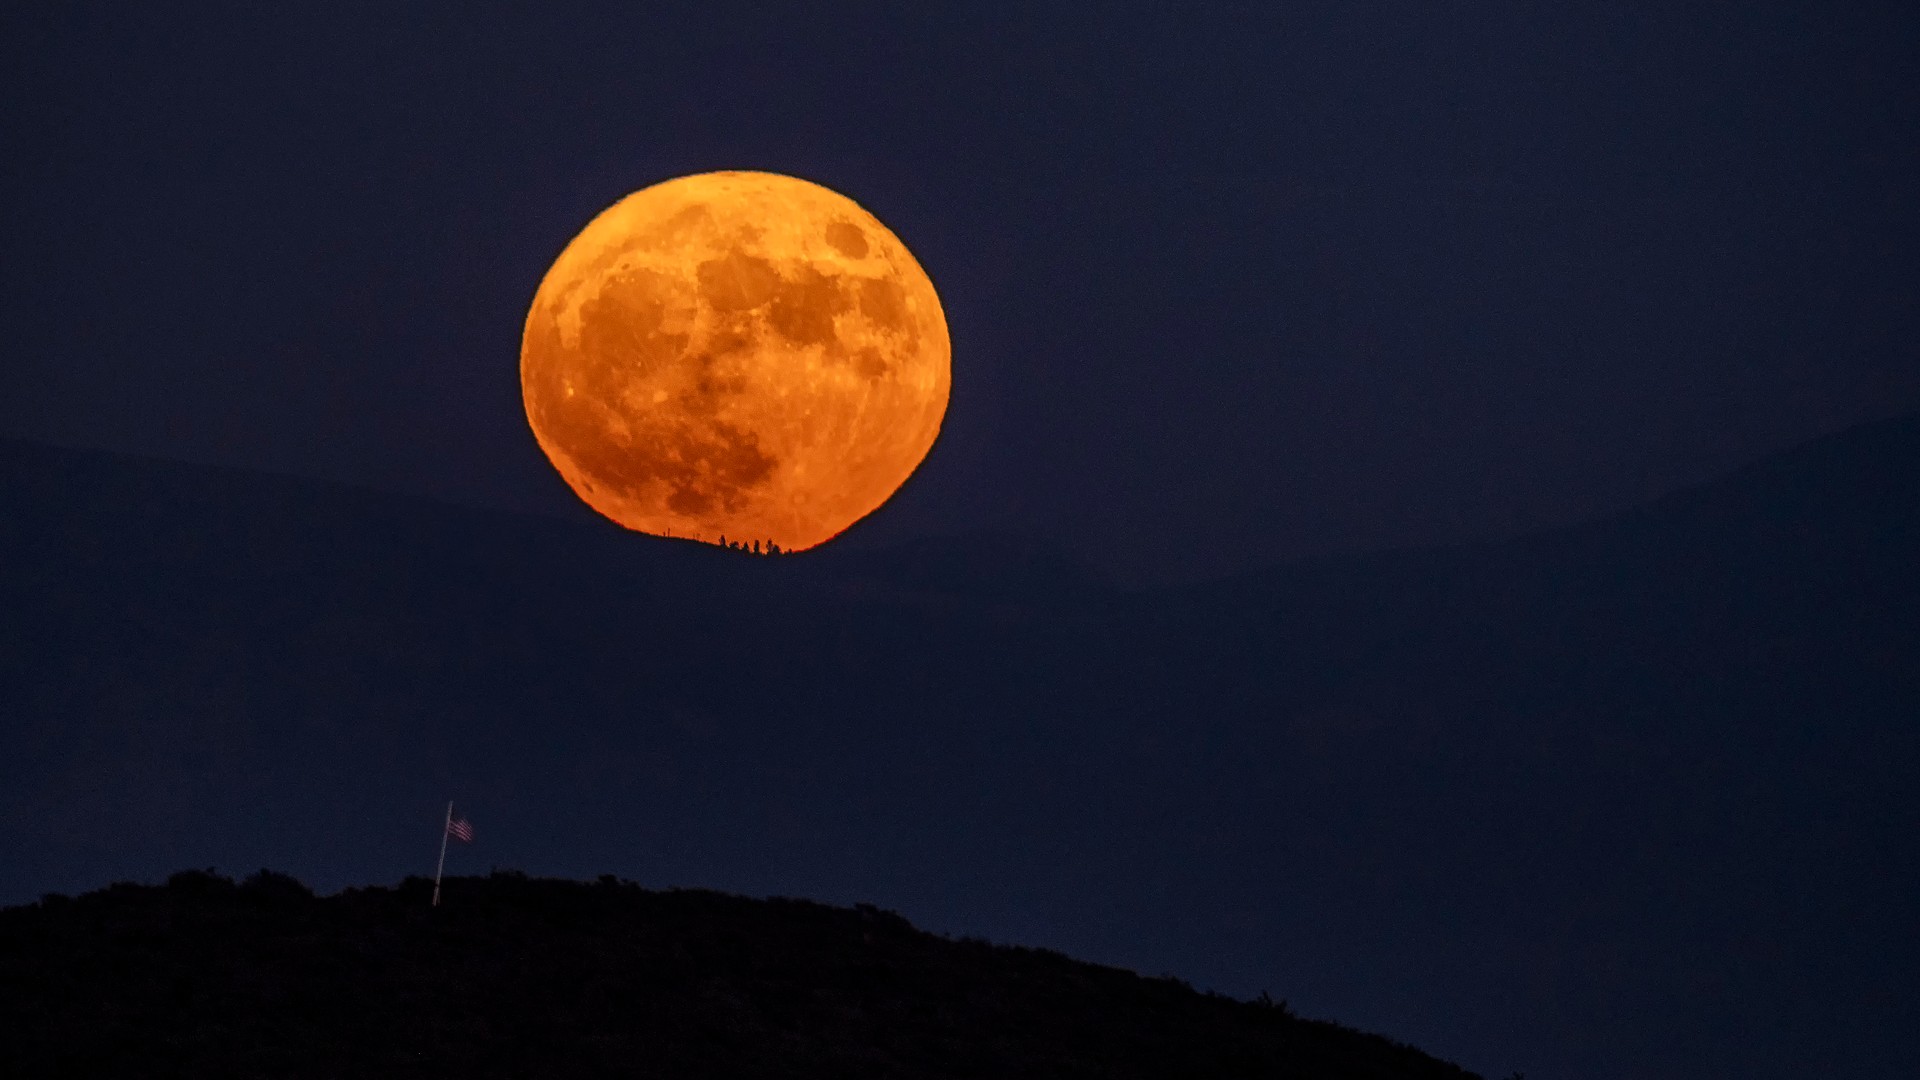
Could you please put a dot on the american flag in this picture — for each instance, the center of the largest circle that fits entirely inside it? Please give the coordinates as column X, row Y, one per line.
column 460, row 829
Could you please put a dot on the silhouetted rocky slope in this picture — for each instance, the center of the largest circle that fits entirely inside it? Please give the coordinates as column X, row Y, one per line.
column 544, row 978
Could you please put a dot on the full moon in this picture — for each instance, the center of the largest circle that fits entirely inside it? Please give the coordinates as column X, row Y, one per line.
column 736, row 354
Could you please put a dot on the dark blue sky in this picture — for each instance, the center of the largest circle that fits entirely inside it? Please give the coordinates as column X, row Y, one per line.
column 1227, row 283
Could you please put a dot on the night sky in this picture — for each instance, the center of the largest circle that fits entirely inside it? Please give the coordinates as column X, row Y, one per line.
column 1227, row 284
column 1231, row 288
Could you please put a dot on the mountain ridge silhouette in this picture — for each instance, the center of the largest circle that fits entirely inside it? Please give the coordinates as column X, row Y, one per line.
column 513, row 976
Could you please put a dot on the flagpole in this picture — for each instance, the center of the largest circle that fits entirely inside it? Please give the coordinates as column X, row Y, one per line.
column 445, row 828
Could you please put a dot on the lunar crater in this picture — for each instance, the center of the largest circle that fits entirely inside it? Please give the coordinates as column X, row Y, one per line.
column 846, row 238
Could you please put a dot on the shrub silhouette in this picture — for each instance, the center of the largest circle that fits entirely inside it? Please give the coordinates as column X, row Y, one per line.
column 266, row 885
column 206, row 882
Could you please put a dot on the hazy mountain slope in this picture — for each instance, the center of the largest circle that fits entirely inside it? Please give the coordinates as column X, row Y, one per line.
column 1660, row 761
column 1622, row 797
column 518, row 977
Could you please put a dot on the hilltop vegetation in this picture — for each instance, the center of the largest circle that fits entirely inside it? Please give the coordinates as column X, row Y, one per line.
column 513, row 976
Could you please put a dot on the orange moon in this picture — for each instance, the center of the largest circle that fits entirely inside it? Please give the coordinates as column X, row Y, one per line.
column 737, row 354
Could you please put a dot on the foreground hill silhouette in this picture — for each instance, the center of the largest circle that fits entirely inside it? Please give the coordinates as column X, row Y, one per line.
column 1631, row 797
column 545, row 978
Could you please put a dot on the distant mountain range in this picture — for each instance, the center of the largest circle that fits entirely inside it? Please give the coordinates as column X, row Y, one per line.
column 1626, row 798
column 513, row 977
